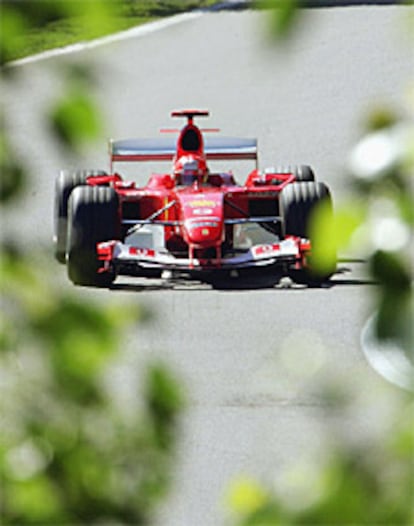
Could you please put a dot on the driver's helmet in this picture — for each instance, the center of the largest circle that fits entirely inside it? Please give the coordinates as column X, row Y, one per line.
column 189, row 169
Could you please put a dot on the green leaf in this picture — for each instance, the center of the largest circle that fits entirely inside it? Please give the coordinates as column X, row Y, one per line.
column 75, row 119
column 163, row 393
column 12, row 173
column 324, row 239
column 283, row 16
column 391, row 272
column 245, row 496
column 164, row 400
column 13, row 24
column 34, row 501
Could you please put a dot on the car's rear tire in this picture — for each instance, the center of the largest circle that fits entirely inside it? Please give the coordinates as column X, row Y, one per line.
column 302, row 172
column 93, row 216
column 297, row 204
column 65, row 182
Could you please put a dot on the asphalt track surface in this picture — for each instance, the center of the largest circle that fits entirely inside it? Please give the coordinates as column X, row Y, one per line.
column 252, row 355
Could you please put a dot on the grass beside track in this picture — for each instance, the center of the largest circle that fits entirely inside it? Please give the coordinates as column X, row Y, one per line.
column 82, row 21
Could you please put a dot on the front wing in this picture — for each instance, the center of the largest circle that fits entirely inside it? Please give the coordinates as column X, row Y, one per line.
column 117, row 255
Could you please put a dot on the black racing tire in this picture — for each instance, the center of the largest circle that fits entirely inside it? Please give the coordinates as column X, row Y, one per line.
column 302, row 172
column 93, row 216
column 65, row 182
column 297, row 202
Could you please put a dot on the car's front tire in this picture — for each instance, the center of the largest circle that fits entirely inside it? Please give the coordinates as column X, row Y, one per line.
column 298, row 202
column 93, row 216
column 65, row 182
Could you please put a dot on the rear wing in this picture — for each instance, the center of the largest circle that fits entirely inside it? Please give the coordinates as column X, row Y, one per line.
column 164, row 149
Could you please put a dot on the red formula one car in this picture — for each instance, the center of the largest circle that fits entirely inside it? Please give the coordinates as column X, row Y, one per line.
column 190, row 220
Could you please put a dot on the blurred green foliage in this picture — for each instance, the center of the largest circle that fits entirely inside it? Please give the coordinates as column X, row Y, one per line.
column 68, row 453
column 74, row 118
column 30, row 27
column 160, row 8
column 369, row 482
column 283, row 15
column 12, row 174
column 19, row 18
column 382, row 167
column 354, row 482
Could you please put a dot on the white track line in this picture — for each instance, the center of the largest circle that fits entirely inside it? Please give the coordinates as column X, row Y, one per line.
column 133, row 32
